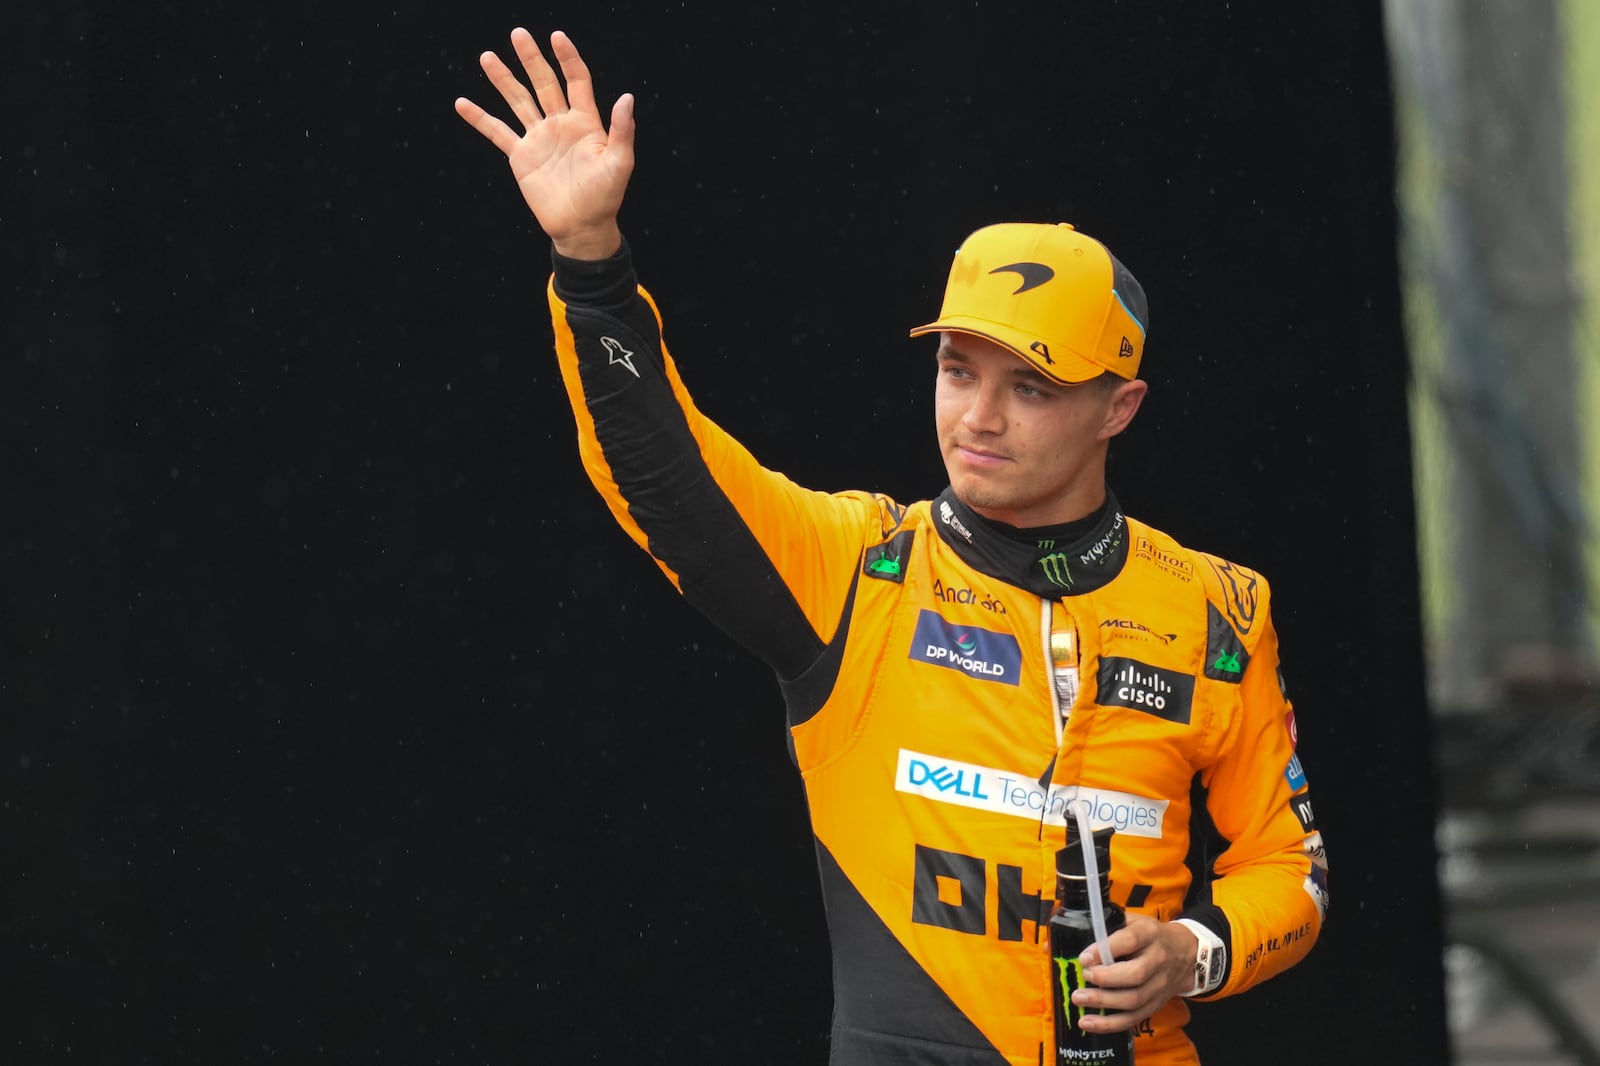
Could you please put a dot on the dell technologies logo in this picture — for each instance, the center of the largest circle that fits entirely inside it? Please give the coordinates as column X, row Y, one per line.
column 991, row 788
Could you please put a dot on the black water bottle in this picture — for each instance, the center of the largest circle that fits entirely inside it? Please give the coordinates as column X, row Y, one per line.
column 1071, row 932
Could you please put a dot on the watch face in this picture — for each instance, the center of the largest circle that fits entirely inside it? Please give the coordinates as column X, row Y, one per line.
column 1215, row 971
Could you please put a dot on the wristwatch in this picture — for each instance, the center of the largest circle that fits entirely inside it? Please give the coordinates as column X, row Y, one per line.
column 1210, row 961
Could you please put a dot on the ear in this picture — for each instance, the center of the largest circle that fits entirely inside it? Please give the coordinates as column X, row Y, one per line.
column 1125, row 401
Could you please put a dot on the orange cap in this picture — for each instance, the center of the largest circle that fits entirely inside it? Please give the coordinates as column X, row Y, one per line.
column 1056, row 297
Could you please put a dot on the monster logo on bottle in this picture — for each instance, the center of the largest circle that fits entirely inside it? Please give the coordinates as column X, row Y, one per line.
column 1071, row 933
column 1070, row 974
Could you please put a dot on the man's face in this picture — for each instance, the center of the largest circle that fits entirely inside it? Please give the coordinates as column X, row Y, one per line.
column 1019, row 448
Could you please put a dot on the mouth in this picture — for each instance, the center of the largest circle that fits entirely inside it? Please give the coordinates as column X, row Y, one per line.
column 979, row 456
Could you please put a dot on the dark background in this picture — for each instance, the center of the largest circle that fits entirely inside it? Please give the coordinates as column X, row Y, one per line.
column 339, row 722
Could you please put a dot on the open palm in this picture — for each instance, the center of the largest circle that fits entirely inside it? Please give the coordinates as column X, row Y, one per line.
column 571, row 171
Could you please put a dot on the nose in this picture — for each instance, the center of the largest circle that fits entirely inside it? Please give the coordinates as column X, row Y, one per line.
column 985, row 413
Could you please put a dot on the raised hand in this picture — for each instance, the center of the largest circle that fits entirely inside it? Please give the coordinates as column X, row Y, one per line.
column 571, row 171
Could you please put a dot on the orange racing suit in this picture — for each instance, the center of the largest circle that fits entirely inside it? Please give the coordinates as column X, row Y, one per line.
column 953, row 689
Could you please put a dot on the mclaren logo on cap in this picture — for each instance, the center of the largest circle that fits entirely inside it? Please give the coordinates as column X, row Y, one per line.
column 1033, row 275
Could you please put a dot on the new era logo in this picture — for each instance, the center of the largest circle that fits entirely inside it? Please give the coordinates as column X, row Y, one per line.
column 1126, row 351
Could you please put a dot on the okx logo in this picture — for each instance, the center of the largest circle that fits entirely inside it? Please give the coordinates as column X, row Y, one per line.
column 1142, row 687
column 980, row 653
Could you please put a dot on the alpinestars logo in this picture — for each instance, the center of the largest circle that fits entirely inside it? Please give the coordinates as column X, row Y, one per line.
column 619, row 354
column 947, row 515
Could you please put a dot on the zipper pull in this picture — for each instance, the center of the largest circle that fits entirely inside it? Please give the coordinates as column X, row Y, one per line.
column 1063, row 664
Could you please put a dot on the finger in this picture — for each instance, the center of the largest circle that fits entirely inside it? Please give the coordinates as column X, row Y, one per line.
column 1121, row 944
column 1105, row 1010
column 1113, row 1023
column 1131, row 939
column 580, row 87
column 620, row 139
column 1110, row 1000
column 545, row 83
column 1124, row 973
column 499, row 134
column 511, row 90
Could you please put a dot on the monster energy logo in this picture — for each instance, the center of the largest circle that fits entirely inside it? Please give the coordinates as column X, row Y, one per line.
column 1070, row 972
column 1056, row 569
column 1228, row 664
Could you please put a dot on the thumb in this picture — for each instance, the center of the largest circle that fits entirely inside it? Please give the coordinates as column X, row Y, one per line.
column 620, row 139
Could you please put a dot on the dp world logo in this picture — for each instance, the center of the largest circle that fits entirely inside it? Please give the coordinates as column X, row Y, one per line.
column 979, row 653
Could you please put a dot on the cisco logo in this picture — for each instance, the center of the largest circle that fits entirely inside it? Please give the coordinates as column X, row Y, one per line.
column 1142, row 687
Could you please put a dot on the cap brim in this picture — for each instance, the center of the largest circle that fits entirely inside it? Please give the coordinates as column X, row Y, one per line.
column 1061, row 366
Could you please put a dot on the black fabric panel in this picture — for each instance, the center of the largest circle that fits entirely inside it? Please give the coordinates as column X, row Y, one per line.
column 1226, row 657
column 1205, row 844
column 805, row 694
column 688, row 520
column 887, row 1010
column 1042, row 566
column 608, row 284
